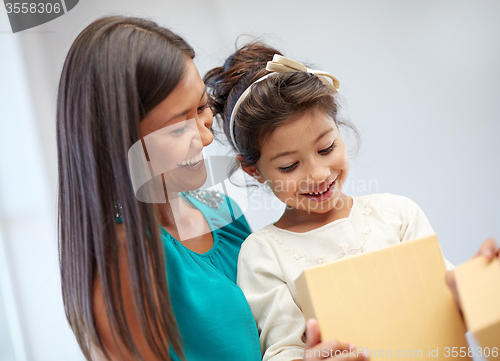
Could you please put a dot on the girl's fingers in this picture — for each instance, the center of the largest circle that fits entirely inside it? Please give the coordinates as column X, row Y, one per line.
column 313, row 336
column 487, row 249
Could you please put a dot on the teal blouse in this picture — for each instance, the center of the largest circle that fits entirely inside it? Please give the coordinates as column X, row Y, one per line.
column 212, row 314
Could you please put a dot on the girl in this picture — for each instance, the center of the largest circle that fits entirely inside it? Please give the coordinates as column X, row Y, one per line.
column 129, row 90
column 282, row 121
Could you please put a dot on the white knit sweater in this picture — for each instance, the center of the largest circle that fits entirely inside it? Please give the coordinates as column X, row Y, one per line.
column 272, row 258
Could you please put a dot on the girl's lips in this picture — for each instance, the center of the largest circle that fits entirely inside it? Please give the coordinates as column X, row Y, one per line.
column 323, row 196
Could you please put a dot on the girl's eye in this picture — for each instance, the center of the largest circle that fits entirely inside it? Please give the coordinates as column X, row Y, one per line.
column 329, row 149
column 203, row 107
column 289, row 168
column 179, row 131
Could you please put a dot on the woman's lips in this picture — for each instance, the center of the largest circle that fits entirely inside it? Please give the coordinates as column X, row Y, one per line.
column 321, row 196
column 193, row 167
column 193, row 164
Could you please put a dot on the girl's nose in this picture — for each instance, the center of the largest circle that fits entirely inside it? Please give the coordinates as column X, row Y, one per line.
column 318, row 171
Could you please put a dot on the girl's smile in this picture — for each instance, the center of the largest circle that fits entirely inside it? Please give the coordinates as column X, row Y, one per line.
column 321, row 195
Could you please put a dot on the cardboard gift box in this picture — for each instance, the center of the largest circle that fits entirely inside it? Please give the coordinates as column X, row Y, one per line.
column 392, row 302
column 478, row 285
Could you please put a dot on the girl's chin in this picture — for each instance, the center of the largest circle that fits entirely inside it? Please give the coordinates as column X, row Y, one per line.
column 319, row 210
column 312, row 206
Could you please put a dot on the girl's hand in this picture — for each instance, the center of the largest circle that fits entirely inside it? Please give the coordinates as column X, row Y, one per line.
column 489, row 250
column 326, row 350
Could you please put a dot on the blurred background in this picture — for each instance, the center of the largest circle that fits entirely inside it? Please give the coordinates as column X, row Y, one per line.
column 420, row 79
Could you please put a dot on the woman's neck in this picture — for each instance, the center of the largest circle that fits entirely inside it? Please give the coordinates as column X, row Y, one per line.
column 168, row 211
column 180, row 219
column 299, row 221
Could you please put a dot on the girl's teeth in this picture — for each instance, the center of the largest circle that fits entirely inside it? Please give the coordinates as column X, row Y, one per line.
column 320, row 193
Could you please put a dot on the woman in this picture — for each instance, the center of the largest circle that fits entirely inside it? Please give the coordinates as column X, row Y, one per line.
column 130, row 93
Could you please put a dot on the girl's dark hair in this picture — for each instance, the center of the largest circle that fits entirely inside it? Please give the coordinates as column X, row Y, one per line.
column 276, row 100
column 116, row 71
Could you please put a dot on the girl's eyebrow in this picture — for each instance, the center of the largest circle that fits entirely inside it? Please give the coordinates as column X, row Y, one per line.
column 323, row 134
column 294, row 151
column 282, row 154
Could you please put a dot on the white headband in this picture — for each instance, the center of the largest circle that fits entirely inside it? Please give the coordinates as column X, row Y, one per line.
column 280, row 64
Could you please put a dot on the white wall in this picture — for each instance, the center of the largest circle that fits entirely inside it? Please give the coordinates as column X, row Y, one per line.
column 420, row 79
column 29, row 273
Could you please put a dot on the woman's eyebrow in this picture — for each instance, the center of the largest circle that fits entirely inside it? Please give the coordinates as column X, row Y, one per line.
column 203, row 92
column 294, row 151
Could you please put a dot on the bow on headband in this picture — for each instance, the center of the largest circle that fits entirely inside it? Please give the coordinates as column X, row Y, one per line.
column 280, row 64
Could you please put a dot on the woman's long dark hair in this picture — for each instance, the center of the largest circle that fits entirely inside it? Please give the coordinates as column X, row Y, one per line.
column 116, row 71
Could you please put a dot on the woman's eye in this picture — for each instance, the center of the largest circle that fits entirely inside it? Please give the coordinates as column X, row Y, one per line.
column 328, row 150
column 203, row 107
column 289, row 168
column 179, row 131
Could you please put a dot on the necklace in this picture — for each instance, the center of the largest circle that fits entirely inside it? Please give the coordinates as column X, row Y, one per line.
column 208, row 197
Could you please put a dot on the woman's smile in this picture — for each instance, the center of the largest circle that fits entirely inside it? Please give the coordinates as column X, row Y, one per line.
column 193, row 163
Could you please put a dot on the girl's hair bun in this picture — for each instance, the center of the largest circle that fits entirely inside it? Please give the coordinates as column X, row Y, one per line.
column 240, row 70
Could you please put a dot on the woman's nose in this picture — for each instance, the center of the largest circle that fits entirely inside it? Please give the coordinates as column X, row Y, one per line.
column 204, row 123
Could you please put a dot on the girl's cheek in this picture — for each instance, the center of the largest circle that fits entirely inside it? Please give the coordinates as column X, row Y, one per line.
column 278, row 186
column 345, row 155
column 341, row 159
column 346, row 162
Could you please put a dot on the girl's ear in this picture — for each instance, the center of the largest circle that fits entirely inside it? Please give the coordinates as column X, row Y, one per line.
column 252, row 170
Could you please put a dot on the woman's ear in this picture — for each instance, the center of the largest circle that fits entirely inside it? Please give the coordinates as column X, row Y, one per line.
column 252, row 170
